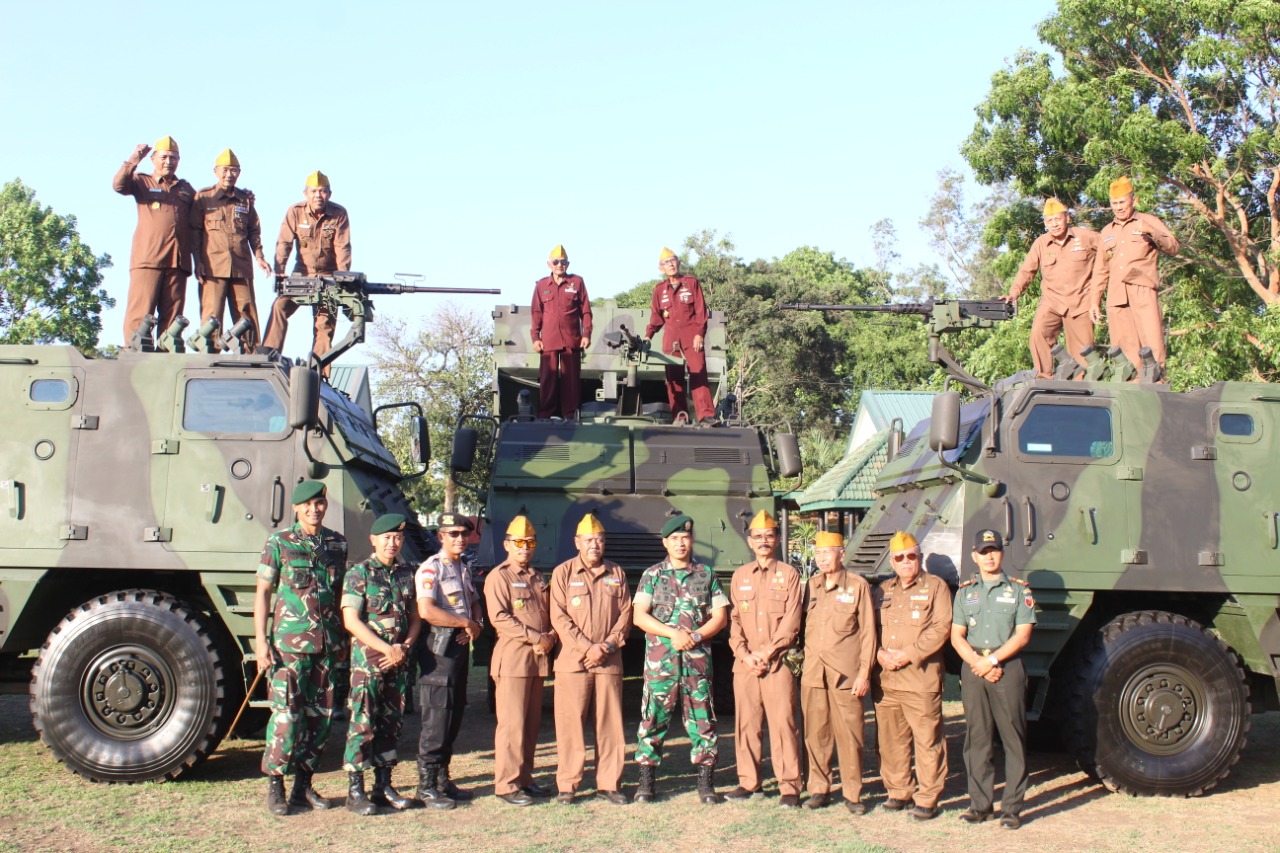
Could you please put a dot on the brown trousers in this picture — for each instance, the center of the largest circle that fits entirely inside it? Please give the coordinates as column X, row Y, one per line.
column 771, row 697
column 1044, row 334
column 833, row 715
column 575, row 693
column 1137, row 325
column 237, row 295
column 154, row 291
column 904, row 720
column 518, row 702
column 278, row 326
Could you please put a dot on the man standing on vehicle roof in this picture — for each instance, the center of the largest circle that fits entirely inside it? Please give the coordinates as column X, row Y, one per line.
column 913, row 610
column 591, row 613
column 228, row 240
column 519, row 606
column 160, row 260
column 1127, row 271
column 680, row 606
column 1064, row 256
column 767, row 599
column 322, row 233
column 839, row 651
column 450, row 606
column 560, row 325
column 302, row 568
column 991, row 624
column 679, row 307
column 380, row 613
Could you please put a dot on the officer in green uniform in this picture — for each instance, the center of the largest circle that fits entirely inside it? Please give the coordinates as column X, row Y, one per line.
column 301, row 568
column 380, row 612
column 680, row 606
column 990, row 625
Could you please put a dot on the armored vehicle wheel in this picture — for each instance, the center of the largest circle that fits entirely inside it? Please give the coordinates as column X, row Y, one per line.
column 1159, row 706
column 129, row 687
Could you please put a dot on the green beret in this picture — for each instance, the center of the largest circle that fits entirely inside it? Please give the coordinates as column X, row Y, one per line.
column 389, row 523
column 306, row 490
column 681, row 523
column 453, row 519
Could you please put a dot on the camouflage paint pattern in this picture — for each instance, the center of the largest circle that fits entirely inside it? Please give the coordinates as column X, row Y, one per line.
column 302, row 703
column 307, row 573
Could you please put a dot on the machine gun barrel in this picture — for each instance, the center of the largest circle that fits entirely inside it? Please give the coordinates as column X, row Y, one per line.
column 394, row 289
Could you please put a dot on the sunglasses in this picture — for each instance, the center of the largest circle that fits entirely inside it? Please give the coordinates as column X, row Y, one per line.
column 763, row 537
column 524, row 543
column 559, row 263
column 453, row 534
column 899, row 558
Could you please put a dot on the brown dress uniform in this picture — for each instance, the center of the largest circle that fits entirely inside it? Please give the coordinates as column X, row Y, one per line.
column 160, row 259
column 560, row 317
column 228, row 236
column 589, row 606
column 1066, row 268
column 1126, row 270
column 765, row 620
column 681, row 310
column 324, row 247
column 839, row 647
column 519, row 611
column 914, row 619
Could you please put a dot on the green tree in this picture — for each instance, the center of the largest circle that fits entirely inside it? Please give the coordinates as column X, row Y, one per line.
column 50, row 282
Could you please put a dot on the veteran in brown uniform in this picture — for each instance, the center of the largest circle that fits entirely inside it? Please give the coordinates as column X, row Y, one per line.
column 321, row 231
column 767, row 599
column 913, row 611
column 519, row 606
column 1127, row 271
column 839, row 651
column 591, row 614
column 1064, row 257
column 160, row 259
column 228, row 241
column 679, row 307
column 560, row 325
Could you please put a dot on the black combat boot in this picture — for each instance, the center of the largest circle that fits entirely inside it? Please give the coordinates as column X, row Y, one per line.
column 450, row 790
column 646, row 793
column 383, row 794
column 707, row 785
column 356, row 800
column 304, row 796
column 276, row 803
column 427, row 793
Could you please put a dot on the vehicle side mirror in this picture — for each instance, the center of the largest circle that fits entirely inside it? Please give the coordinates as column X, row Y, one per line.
column 304, row 397
column 464, row 449
column 421, row 449
column 944, row 421
column 788, row 448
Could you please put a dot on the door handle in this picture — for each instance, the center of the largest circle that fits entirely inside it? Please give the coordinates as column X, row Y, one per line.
column 1090, row 517
column 17, row 491
column 277, row 501
column 212, row 501
column 1031, row 519
column 1008, row 520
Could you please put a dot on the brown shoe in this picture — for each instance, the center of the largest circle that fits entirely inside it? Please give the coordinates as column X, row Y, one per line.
column 892, row 805
column 789, row 801
column 817, row 801
column 975, row 816
column 924, row 813
column 856, row 807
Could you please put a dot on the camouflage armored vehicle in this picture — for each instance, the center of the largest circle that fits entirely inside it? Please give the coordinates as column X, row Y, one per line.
column 627, row 457
column 1147, row 522
column 138, row 492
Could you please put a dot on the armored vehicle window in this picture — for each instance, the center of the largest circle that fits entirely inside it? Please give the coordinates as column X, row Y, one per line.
column 1067, row 431
column 1234, row 423
column 50, row 391
column 232, row 405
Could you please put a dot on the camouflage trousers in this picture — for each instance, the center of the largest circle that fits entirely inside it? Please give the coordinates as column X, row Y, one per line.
column 301, row 712
column 676, row 678
column 376, row 709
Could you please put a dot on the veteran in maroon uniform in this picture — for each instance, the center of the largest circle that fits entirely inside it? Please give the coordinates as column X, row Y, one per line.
column 679, row 307
column 561, row 330
column 160, row 260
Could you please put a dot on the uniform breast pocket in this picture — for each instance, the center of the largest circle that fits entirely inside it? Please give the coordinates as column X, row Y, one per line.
column 214, row 220
column 615, row 590
column 381, row 599
column 452, row 592
column 326, row 237
column 298, row 575
column 579, row 599
column 776, row 600
column 844, row 617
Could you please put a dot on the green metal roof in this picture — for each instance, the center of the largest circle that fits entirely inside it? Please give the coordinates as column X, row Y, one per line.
column 877, row 409
column 848, row 484
column 353, row 380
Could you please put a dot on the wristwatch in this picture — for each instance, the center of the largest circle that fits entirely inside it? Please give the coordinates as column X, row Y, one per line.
column 995, row 661
column 697, row 637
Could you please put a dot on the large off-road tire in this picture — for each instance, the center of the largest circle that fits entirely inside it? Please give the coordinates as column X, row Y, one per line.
column 129, row 687
column 1159, row 707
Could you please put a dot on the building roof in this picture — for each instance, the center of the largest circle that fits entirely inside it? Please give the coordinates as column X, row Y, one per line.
column 353, row 380
column 877, row 409
column 848, row 484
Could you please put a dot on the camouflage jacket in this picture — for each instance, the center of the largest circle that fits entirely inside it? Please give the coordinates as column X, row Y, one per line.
column 307, row 574
column 681, row 598
column 382, row 596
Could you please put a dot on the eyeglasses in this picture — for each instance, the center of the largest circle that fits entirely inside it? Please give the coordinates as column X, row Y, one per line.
column 453, row 534
column 560, row 262
column 764, row 537
column 898, row 558
column 524, row 543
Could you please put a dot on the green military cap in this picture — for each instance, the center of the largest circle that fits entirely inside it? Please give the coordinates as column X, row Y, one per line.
column 392, row 522
column 307, row 490
column 681, row 523
column 454, row 519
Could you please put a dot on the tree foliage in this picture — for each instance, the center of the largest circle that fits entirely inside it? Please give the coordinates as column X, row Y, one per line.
column 50, row 282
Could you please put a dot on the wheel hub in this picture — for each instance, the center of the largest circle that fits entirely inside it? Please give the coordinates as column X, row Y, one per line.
column 1161, row 708
column 125, row 691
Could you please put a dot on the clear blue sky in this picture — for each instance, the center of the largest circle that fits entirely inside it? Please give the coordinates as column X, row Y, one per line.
column 466, row 139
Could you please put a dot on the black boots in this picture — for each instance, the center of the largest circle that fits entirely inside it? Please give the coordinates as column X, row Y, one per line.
column 452, row 791
column 276, row 803
column 646, row 793
column 428, row 792
column 356, row 800
column 382, row 794
column 707, row 785
column 303, row 795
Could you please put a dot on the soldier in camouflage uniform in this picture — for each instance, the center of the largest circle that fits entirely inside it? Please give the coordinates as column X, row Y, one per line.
column 680, row 606
column 302, row 568
column 381, row 614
